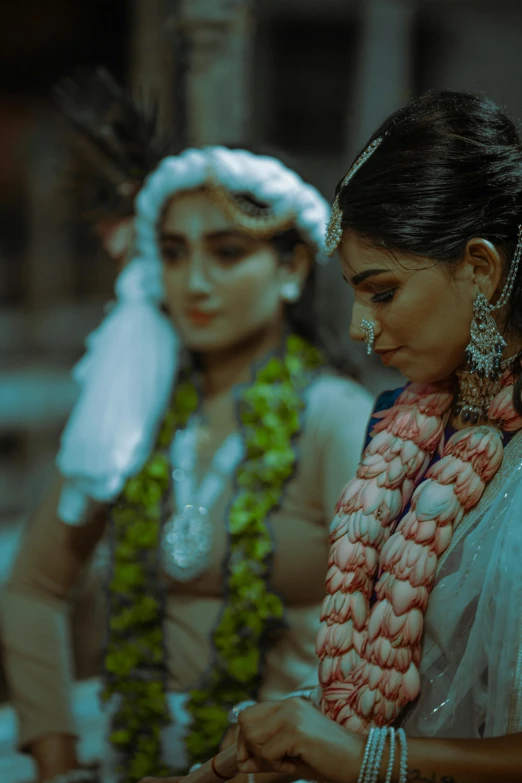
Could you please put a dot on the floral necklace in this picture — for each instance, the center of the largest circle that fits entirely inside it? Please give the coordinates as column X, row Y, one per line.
column 270, row 412
column 370, row 656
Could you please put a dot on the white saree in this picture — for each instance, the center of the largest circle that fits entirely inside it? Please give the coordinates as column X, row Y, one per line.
column 471, row 669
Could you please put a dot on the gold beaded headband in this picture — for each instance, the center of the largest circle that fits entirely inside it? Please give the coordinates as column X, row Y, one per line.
column 334, row 230
column 258, row 222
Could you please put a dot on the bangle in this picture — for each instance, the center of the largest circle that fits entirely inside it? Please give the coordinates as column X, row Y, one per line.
column 233, row 715
column 301, row 693
column 403, row 774
column 391, row 761
column 379, row 753
column 367, row 753
column 374, row 752
column 74, row 776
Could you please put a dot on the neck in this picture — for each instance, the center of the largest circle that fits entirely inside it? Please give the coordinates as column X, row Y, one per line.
column 513, row 348
column 223, row 369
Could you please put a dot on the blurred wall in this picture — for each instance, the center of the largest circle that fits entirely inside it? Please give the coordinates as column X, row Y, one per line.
column 307, row 80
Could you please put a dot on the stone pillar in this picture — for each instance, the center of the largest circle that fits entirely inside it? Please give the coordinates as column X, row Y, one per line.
column 50, row 269
column 384, row 79
column 151, row 56
column 218, row 77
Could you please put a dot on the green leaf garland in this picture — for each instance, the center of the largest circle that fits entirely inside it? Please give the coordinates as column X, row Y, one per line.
column 270, row 412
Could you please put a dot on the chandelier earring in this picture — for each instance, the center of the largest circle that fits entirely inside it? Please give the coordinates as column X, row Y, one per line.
column 369, row 334
column 480, row 381
column 290, row 292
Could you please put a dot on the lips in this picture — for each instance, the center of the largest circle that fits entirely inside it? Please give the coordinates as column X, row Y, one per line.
column 387, row 354
column 200, row 317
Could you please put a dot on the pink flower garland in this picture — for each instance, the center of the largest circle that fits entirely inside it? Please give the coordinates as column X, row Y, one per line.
column 369, row 659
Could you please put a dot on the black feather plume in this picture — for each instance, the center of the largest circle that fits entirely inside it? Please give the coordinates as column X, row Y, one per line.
column 116, row 136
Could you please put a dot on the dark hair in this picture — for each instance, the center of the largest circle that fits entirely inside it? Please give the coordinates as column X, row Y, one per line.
column 449, row 168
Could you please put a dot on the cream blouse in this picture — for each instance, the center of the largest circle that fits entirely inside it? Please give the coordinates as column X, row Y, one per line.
column 36, row 604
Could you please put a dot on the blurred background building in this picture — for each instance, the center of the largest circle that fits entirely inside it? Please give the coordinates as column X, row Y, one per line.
column 307, row 79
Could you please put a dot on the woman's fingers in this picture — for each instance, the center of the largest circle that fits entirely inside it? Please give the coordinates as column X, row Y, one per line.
column 278, row 751
column 267, row 748
column 242, row 750
column 229, row 738
column 257, row 724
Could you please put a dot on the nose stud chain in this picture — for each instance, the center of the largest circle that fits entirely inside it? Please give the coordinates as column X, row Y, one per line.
column 369, row 334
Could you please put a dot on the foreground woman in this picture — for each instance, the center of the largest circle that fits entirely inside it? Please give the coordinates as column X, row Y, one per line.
column 421, row 645
column 218, row 500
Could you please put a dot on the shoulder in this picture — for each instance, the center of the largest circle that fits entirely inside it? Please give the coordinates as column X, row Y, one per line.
column 335, row 401
column 386, row 399
column 329, row 389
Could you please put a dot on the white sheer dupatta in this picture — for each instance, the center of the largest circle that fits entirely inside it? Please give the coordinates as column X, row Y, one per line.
column 471, row 666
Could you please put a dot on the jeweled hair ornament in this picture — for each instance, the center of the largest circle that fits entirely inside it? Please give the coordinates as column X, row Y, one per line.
column 334, row 230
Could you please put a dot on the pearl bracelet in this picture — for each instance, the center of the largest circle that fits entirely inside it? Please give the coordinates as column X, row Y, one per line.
column 300, row 693
column 374, row 752
column 74, row 776
column 233, row 715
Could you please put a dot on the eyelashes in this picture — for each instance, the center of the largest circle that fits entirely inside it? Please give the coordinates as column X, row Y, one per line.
column 384, row 296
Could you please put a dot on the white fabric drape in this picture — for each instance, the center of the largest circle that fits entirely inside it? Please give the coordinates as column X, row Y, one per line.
column 471, row 668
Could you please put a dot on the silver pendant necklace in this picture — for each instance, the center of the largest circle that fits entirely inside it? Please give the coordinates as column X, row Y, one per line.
column 188, row 535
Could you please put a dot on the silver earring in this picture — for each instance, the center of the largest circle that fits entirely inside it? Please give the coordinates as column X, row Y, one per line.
column 480, row 381
column 369, row 334
column 290, row 291
column 486, row 344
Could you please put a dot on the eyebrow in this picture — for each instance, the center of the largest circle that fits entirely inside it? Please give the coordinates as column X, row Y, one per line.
column 165, row 236
column 362, row 276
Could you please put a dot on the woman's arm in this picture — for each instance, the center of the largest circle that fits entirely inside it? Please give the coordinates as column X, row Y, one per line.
column 293, row 738
column 35, row 632
column 492, row 760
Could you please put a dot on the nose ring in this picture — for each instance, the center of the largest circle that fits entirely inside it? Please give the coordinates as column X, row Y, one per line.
column 369, row 334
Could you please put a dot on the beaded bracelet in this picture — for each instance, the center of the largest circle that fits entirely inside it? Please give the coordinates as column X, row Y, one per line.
column 403, row 775
column 233, row 715
column 374, row 753
column 299, row 693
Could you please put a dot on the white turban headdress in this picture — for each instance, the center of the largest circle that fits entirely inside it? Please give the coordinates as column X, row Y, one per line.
column 127, row 374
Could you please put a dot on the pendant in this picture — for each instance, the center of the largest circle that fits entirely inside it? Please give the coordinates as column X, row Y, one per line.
column 186, row 543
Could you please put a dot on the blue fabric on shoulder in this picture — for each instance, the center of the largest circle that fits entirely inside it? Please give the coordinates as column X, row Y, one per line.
column 383, row 402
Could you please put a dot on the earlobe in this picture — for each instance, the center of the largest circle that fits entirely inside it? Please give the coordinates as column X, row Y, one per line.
column 301, row 262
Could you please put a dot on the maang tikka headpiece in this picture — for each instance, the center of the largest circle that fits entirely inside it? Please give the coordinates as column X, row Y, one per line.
column 334, row 230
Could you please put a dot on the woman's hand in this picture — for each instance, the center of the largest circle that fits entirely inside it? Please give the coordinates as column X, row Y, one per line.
column 54, row 754
column 229, row 737
column 292, row 737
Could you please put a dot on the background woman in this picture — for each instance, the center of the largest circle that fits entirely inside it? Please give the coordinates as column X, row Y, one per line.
column 218, row 499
